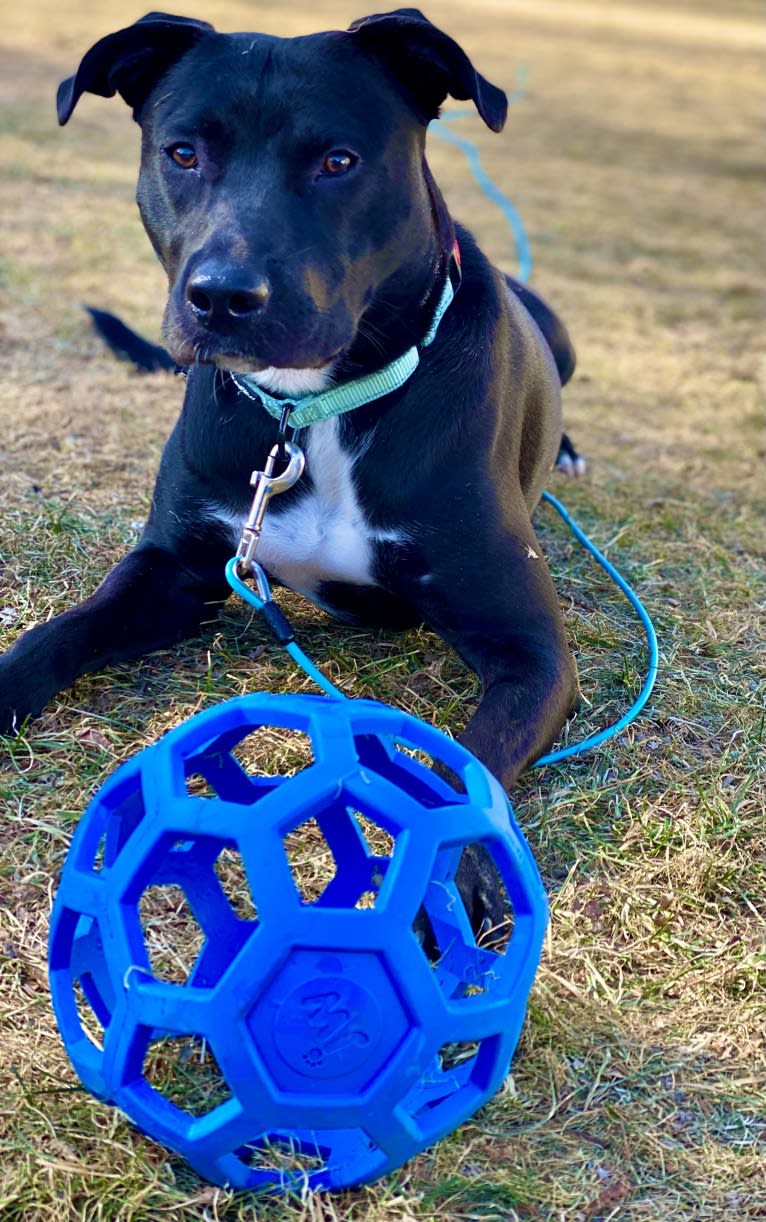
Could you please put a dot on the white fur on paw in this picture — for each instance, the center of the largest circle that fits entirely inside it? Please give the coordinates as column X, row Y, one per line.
column 572, row 468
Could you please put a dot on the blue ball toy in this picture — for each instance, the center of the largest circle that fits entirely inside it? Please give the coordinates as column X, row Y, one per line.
column 276, row 975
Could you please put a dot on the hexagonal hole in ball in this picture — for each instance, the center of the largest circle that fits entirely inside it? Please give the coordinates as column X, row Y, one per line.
column 424, row 777
column 274, row 750
column 285, row 1155
column 232, row 878
column 311, row 860
column 184, row 1070
column 339, row 857
column 91, row 1011
column 172, row 935
column 466, row 921
column 242, row 767
column 488, row 904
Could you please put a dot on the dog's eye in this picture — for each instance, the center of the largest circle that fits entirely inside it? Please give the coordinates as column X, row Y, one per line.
column 339, row 161
column 183, row 155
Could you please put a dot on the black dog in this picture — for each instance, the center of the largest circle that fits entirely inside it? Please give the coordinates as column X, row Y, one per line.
column 284, row 188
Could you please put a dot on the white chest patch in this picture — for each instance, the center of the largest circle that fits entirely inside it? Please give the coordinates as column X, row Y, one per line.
column 323, row 535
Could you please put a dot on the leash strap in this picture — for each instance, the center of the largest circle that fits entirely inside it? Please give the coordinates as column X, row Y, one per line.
column 278, row 623
column 595, row 740
column 283, row 633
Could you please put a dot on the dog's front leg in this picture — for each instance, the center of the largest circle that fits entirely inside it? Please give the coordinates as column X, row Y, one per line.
column 528, row 688
column 493, row 600
column 529, row 685
column 505, row 623
column 151, row 600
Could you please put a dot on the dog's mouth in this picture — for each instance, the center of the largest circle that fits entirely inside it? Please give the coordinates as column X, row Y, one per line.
column 287, row 380
column 301, row 378
column 279, row 380
column 282, row 350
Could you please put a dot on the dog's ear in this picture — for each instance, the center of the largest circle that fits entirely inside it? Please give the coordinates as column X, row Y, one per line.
column 131, row 61
column 427, row 64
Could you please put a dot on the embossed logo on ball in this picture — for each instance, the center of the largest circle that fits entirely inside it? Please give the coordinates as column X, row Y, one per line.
column 327, row 1027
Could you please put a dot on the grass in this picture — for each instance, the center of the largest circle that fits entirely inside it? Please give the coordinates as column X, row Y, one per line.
column 638, row 1093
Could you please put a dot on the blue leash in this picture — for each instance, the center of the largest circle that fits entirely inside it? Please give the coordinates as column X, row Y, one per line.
column 265, row 603
column 290, row 647
column 595, row 740
column 554, row 757
column 506, row 206
column 491, row 190
column 524, row 256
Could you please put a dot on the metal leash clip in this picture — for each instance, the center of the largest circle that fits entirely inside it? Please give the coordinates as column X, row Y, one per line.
column 267, row 485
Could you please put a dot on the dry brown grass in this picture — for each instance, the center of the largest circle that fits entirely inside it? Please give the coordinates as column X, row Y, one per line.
column 636, row 159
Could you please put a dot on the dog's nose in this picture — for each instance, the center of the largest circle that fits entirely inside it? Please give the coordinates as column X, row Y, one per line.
column 219, row 296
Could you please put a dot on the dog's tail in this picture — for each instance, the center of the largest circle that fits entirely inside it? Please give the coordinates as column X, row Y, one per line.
column 129, row 345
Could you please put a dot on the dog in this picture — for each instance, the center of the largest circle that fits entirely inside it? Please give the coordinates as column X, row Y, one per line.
column 284, row 188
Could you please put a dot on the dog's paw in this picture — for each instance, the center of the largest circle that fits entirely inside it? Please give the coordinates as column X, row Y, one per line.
column 485, row 898
column 15, row 711
column 10, row 722
column 13, row 719
column 486, row 902
column 569, row 462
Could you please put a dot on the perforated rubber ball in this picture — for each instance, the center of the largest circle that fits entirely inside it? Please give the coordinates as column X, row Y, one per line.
column 274, row 973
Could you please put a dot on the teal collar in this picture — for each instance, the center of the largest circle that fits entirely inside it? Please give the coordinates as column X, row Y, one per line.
column 309, row 409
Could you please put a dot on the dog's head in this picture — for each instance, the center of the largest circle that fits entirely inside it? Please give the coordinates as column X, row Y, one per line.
column 282, row 181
